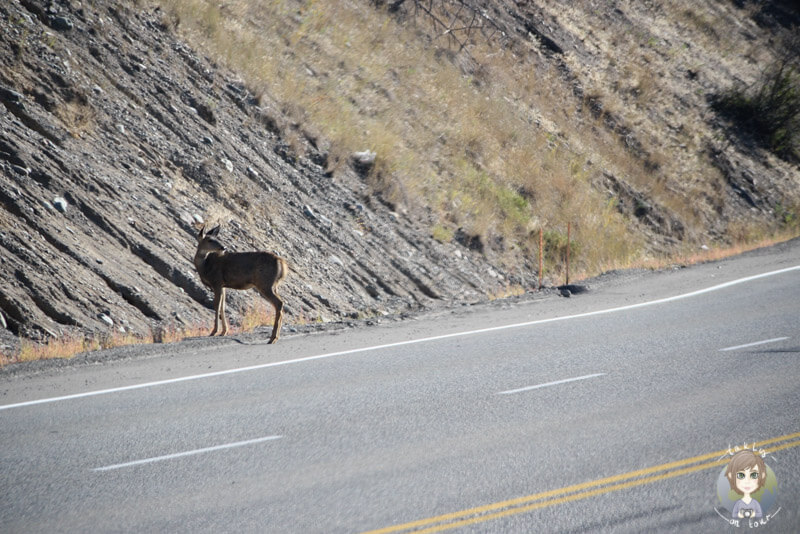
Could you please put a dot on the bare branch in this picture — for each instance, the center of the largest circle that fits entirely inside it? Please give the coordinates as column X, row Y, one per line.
column 460, row 21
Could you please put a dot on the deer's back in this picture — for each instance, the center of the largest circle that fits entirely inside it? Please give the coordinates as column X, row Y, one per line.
column 242, row 270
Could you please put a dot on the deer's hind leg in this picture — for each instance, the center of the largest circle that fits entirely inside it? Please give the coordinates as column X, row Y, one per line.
column 272, row 296
column 219, row 312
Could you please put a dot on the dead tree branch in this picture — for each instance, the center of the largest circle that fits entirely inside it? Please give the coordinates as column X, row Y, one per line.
column 460, row 22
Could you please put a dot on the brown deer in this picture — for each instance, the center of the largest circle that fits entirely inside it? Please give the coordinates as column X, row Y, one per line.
column 219, row 269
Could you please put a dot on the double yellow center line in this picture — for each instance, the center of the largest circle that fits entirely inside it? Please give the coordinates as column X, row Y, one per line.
column 584, row 490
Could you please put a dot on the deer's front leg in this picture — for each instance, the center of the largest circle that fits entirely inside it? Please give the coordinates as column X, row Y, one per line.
column 222, row 314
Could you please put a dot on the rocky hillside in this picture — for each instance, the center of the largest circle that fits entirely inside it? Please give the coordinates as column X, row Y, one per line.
column 111, row 150
column 506, row 116
column 118, row 137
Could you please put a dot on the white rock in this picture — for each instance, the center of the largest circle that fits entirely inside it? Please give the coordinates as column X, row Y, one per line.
column 60, row 204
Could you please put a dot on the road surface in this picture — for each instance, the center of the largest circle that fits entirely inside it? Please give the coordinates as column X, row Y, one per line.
column 611, row 411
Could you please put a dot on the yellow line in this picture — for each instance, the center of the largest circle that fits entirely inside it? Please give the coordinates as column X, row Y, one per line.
column 575, row 496
column 515, row 504
column 592, row 493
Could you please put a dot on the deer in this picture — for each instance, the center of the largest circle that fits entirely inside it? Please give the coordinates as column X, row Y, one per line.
column 220, row 269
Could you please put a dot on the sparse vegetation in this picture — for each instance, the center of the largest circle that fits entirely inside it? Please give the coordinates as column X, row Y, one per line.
column 703, row 255
column 484, row 146
column 770, row 109
column 513, row 290
column 68, row 346
column 258, row 313
column 789, row 217
column 446, row 140
column 442, row 233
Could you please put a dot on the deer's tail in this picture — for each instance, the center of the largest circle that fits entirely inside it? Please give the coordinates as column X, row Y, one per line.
column 283, row 270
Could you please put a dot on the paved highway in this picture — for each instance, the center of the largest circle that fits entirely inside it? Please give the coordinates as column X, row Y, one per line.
column 611, row 411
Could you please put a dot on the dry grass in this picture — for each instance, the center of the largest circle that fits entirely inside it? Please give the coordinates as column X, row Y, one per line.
column 172, row 334
column 68, row 346
column 54, row 348
column 492, row 152
column 258, row 313
column 465, row 147
column 703, row 255
column 513, row 290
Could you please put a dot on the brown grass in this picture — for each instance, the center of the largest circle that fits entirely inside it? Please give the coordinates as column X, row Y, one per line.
column 68, row 346
column 702, row 255
column 456, row 144
column 258, row 313
column 512, row 290
column 491, row 152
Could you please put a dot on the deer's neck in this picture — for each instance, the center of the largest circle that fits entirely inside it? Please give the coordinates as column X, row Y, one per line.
column 201, row 257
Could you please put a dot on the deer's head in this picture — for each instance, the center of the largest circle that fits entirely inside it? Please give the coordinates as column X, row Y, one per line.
column 207, row 243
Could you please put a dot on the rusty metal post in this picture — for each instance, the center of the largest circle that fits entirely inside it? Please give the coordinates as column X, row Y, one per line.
column 568, row 241
column 541, row 256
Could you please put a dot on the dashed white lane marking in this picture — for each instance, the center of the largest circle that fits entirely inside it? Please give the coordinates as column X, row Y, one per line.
column 547, row 384
column 187, row 453
column 400, row 343
column 753, row 344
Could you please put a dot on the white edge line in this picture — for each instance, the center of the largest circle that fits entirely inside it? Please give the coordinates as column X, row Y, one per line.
column 398, row 344
column 187, row 453
column 755, row 343
column 547, row 384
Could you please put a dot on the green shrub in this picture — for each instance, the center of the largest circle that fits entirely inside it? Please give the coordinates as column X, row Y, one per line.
column 555, row 248
column 769, row 110
column 442, row 233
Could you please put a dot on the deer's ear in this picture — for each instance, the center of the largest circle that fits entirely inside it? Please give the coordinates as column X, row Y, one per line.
column 214, row 231
column 202, row 233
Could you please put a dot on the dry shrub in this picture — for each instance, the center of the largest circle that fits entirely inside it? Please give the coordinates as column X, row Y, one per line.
column 69, row 345
column 258, row 313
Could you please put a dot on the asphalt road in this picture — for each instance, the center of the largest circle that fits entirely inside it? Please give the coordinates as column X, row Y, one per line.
column 611, row 411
